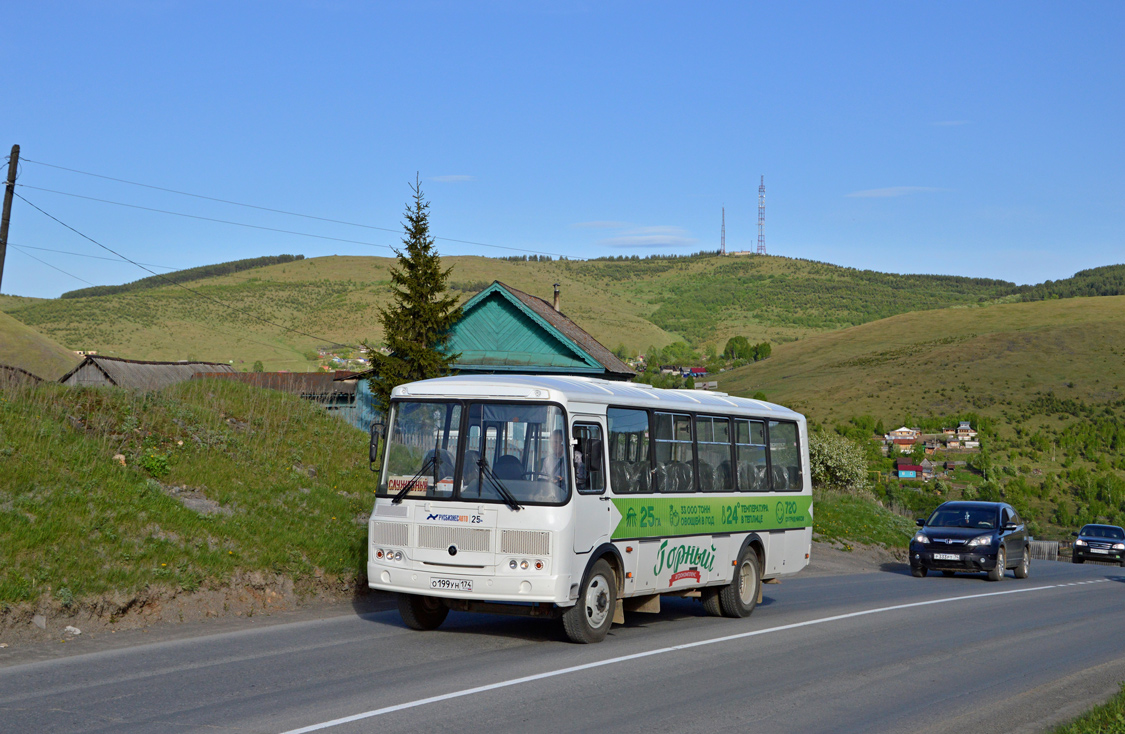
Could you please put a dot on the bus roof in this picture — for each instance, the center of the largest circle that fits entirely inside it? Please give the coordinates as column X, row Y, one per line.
column 586, row 389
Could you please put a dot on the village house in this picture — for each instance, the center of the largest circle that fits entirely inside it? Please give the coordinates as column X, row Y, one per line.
column 965, row 431
column 907, row 469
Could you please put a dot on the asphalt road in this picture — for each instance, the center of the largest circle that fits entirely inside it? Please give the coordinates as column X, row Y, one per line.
column 858, row 653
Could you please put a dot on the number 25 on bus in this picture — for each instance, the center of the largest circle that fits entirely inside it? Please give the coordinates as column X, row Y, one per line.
column 583, row 499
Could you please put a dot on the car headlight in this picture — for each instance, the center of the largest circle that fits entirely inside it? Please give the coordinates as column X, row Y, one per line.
column 1080, row 542
column 921, row 538
column 979, row 541
column 1119, row 546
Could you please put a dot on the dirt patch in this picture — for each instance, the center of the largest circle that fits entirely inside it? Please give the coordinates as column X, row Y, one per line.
column 247, row 595
column 842, row 558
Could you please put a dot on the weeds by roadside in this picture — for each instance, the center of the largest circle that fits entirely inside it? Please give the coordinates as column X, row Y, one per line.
column 106, row 490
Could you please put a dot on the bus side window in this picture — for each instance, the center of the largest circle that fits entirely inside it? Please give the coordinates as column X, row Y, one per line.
column 750, row 456
column 629, row 469
column 675, row 453
column 785, row 457
column 589, row 460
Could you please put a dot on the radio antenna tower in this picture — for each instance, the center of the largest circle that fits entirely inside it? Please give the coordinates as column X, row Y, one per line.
column 723, row 236
column 762, row 217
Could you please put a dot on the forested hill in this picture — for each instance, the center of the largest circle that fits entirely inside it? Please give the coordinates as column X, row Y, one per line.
column 183, row 276
column 1105, row 281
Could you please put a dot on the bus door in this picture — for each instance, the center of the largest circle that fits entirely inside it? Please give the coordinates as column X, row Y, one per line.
column 593, row 512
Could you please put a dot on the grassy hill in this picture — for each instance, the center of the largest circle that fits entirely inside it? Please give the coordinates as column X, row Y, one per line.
column 218, row 478
column 635, row 303
column 1045, row 379
column 23, row 347
column 9, row 303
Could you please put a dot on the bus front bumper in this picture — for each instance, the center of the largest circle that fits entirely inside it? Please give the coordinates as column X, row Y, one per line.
column 454, row 584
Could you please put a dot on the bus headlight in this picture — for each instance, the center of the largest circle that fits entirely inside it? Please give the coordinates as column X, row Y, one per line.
column 512, row 564
column 398, row 555
column 524, row 565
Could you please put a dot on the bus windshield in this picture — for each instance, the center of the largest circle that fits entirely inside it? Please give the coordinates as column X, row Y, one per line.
column 518, row 450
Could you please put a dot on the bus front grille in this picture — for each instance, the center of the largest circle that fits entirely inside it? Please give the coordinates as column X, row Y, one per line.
column 525, row 542
column 443, row 536
column 390, row 533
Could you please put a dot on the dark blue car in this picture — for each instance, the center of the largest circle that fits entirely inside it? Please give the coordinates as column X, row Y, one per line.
column 1100, row 543
column 984, row 537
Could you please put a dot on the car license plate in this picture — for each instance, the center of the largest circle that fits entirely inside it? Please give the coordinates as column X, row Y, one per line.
column 451, row 584
column 946, row 557
column 1098, row 550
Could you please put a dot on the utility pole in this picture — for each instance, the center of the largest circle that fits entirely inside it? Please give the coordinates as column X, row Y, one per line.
column 10, row 189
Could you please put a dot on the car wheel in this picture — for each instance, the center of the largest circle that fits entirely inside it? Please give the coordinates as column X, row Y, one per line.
column 590, row 618
column 919, row 572
column 739, row 598
column 948, row 573
column 422, row 612
column 1024, row 569
column 997, row 573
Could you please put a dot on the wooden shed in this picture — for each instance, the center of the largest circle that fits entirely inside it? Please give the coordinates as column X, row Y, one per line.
column 96, row 370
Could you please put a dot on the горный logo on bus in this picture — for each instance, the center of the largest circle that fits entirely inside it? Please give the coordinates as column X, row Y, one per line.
column 683, row 555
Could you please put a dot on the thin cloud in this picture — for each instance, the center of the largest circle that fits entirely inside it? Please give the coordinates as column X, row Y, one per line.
column 651, row 237
column 950, row 123
column 459, row 178
column 600, row 225
column 891, row 192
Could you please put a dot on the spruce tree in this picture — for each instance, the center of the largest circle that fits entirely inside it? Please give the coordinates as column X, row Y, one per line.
column 416, row 324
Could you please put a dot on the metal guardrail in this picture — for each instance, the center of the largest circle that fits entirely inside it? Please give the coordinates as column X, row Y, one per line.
column 1045, row 550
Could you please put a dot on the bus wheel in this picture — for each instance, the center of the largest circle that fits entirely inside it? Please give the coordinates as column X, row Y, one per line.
column 421, row 612
column 711, row 604
column 740, row 597
column 590, row 618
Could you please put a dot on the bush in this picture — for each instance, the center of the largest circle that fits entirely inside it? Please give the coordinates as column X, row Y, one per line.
column 155, row 464
column 837, row 463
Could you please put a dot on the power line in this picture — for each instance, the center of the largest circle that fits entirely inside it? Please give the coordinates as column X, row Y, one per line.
column 178, row 285
column 275, row 211
column 25, row 252
column 206, row 219
column 94, row 257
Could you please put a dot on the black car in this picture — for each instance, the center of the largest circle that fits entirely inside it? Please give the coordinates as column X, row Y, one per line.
column 1099, row 543
column 971, row 536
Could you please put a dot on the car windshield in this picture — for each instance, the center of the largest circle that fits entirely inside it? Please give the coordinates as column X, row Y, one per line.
column 983, row 518
column 1109, row 532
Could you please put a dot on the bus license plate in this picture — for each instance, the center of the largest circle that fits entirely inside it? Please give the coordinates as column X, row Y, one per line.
column 451, row 584
column 946, row 557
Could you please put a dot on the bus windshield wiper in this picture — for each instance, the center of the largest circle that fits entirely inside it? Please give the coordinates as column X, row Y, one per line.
column 504, row 492
column 397, row 499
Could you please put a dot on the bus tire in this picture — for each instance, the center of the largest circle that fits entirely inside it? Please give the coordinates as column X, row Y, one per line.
column 738, row 598
column 710, row 598
column 590, row 618
column 422, row 612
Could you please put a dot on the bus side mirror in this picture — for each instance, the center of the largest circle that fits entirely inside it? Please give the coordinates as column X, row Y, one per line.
column 373, row 449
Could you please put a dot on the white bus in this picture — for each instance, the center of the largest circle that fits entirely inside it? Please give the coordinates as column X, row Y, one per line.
column 583, row 498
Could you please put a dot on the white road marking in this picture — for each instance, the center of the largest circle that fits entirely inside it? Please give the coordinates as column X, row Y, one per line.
column 660, row 651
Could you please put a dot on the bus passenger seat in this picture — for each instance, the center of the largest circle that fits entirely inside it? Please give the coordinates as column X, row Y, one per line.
column 508, row 467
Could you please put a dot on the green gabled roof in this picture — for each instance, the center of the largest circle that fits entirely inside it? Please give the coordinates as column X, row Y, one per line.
column 503, row 329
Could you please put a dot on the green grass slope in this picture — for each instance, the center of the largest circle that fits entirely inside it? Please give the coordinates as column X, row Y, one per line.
column 634, row 303
column 950, row 360
column 219, row 478
column 23, row 347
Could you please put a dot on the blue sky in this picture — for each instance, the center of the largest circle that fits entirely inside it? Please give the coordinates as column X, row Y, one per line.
column 963, row 138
